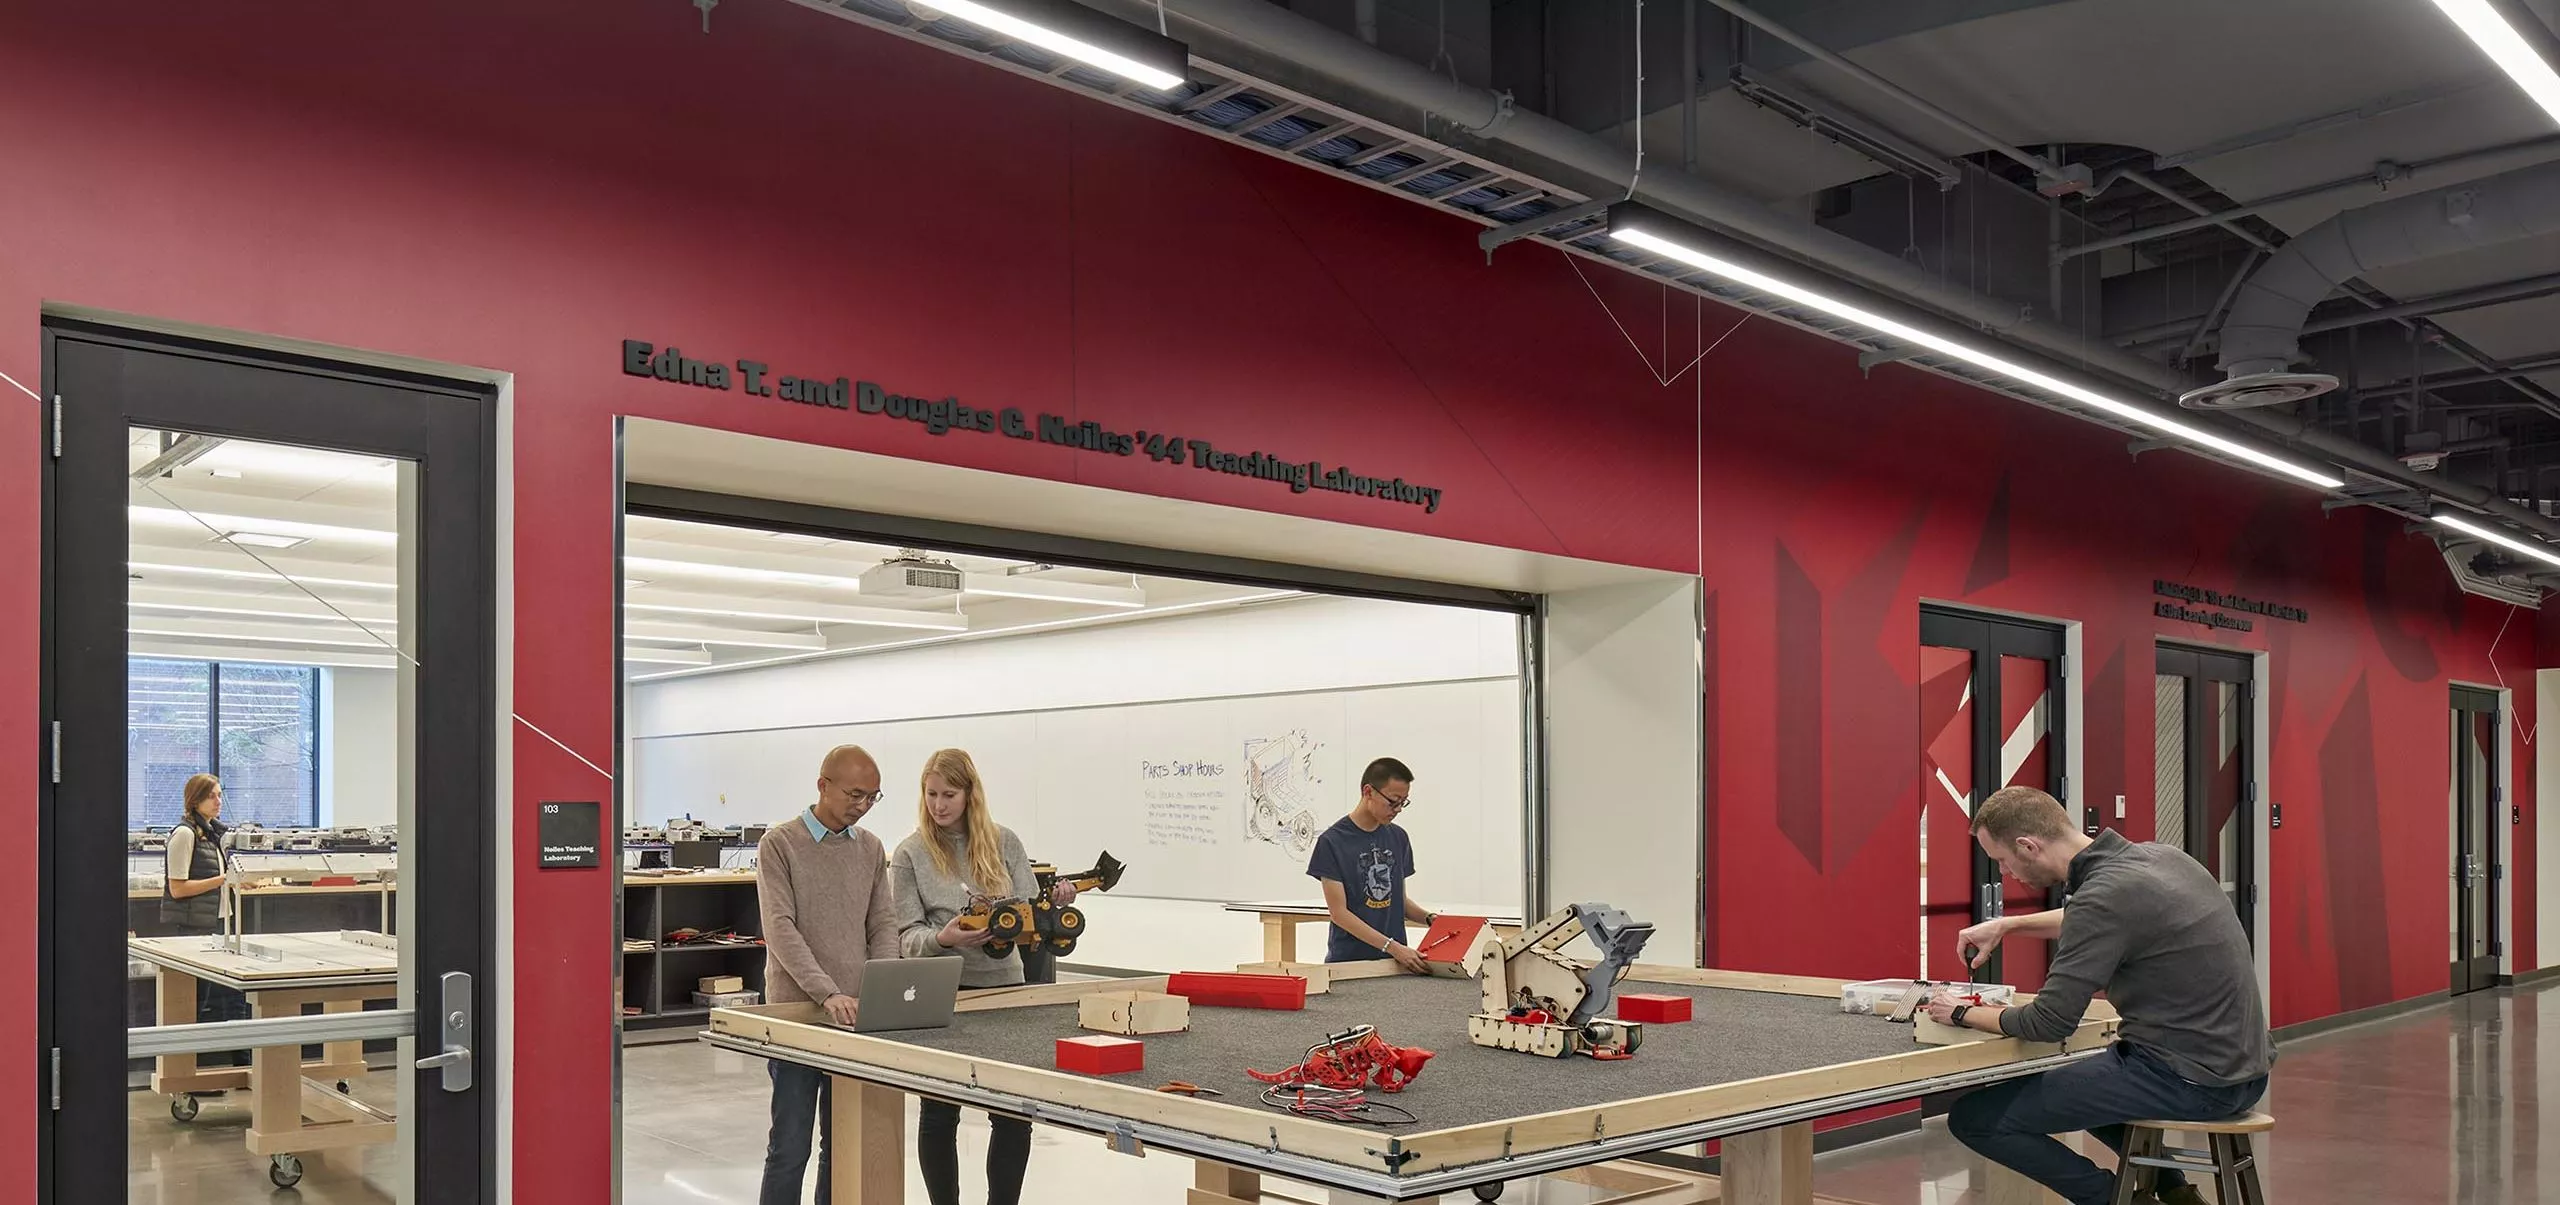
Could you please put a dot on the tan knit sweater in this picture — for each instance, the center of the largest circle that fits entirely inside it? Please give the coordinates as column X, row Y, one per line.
column 826, row 911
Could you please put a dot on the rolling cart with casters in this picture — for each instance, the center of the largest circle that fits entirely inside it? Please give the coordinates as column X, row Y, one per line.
column 296, row 1107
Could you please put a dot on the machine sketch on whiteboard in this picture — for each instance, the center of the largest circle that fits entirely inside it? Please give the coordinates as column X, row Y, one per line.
column 1282, row 787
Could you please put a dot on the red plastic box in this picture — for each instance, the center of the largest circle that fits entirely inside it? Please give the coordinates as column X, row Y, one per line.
column 1653, row 1010
column 1229, row 990
column 1101, row 1054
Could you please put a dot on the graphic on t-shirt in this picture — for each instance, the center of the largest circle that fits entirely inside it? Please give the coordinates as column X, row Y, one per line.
column 1378, row 876
column 1280, row 785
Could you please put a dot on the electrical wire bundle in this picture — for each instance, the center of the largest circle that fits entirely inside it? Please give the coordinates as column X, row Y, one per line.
column 1350, row 1105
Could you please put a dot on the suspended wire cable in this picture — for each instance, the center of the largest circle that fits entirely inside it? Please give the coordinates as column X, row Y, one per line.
column 1638, row 174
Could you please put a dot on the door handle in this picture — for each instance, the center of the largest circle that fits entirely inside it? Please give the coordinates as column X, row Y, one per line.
column 454, row 1025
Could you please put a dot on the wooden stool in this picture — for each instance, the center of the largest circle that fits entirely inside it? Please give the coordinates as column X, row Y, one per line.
column 2229, row 1159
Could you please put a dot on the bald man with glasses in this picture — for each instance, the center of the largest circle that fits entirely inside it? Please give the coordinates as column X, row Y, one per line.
column 822, row 886
column 1363, row 861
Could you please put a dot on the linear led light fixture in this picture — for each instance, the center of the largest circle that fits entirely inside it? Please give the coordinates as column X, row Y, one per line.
column 986, row 633
column 2532, row 548
column 676, row 568
column 261, row 637
column 988, row 585
column 257, row 613
column 1638, row 226
column 2506, row 46
column 1066, row 28
column 258, row 575
column 871, row 617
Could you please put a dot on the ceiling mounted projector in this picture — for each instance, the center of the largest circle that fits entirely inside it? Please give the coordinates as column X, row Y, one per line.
column 912, row 574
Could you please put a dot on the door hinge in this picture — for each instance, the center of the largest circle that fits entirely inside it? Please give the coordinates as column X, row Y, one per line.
column 2495, row 949
column 2249, row 790
column 57, row 1079
column 57, row 751
column 57, row 426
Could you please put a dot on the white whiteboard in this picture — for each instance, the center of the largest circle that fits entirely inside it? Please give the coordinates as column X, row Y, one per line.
column 1207, row 799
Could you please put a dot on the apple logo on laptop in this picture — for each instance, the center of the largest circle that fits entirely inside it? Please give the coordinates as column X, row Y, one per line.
column 911, row 995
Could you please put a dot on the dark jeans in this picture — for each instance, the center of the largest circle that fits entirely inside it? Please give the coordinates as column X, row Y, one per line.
column 938, row 1152
column 2013, row 1123
column 215, row 1002
column 801, row 1096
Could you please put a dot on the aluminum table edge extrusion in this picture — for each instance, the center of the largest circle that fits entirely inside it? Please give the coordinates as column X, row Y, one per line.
column 1327, row 1174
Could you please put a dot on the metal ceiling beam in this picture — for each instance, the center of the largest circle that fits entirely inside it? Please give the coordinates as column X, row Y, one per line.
column 2060, row 178
column 2507, row 370
column 2523, row 288
column 2383, row 175
column 2291, row 130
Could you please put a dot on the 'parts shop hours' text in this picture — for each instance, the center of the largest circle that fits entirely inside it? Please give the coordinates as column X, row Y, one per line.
column 943, row 415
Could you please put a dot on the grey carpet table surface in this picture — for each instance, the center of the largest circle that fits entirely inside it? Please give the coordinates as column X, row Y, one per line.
column 1735, row 1035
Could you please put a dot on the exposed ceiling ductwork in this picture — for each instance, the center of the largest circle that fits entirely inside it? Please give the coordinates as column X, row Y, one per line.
column 2261, row 337
column 1284, row 83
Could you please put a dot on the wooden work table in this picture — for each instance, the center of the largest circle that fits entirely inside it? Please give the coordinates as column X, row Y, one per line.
column 1486, row 1117
column 295, row 1107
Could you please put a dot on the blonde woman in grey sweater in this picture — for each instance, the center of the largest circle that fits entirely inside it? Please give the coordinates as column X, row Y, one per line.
column 959, row 851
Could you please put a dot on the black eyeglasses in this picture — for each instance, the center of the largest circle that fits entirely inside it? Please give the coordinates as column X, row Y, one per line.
column 1395, row 803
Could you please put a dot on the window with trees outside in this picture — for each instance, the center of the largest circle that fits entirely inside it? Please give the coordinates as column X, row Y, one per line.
column 254, row 726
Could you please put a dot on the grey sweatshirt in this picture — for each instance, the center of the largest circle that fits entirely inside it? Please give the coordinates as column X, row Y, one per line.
column 2151, row 926
column 926, row 900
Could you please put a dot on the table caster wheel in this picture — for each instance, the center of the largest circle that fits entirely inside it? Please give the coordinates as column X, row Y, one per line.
column 184, row 1108
column 1488, row 1192
column 285, row 1170
column 342, row 1087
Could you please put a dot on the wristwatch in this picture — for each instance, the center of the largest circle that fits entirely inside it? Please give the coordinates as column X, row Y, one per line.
column 1957, row 1017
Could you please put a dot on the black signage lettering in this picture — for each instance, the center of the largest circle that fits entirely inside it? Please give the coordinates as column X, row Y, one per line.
column 568, row 835
column 2222, row 603
column 941, row 416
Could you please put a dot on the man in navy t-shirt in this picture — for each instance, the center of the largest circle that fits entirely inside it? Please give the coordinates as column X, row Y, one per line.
column 1363, row 861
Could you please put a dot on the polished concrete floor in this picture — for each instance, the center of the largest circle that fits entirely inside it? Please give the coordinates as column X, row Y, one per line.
column 2437, row 1105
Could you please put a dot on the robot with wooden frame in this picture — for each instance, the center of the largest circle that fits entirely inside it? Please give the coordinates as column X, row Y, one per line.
column 1038, row 922
column 1540, row 1001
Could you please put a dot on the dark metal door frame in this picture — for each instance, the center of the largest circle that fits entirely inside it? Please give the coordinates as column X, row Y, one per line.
column 102, row 382
column 1990, row 638
column 2477, row 804
column 2200, row 666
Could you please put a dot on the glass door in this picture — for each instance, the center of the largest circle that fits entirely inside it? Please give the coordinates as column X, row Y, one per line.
column 2476, row 807
column 269, row 641
column 1992, row 716
column 2205, row 763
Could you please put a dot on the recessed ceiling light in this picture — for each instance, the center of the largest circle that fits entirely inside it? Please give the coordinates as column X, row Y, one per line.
column 260, row 539
column 226, row 474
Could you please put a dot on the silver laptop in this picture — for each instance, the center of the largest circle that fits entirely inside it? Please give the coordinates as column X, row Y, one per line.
column 907, row 993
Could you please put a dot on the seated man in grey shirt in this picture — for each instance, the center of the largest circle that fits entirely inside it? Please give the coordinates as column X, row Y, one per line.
column 2149, row 925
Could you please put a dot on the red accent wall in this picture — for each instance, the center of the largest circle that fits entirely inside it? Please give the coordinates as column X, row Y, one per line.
column 522, row 186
